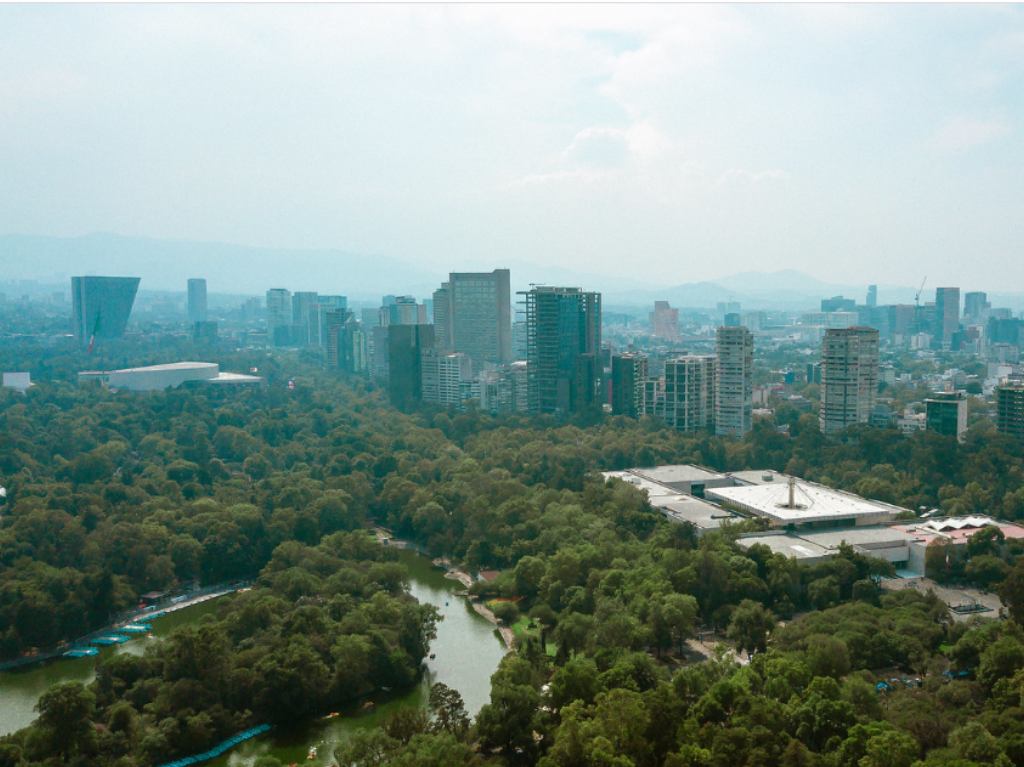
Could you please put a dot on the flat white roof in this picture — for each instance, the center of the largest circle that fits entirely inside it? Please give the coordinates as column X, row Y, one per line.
column 759, row 476
column 813, row 502
column 866, row 537
column 230, row 378
column 683, row 472
column 169, row 366
column 164, row 367
column 686, row 508
column 654, row 490
column 787, row 545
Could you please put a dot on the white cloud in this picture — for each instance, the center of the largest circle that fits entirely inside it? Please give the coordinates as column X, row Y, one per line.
column 744, row 176
column 597, row 146
column 961, row 133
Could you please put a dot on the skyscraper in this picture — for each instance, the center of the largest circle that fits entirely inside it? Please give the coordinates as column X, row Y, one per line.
column 403, row 310
column 838, row 304
column 946, row 413
column 1010, row 409
column 346, row 342
column 101, row 306
column 629, row 372
column 563, row 341
column 407, row 345
column 318, row 317
column 442, row 311
column 279, row 316
column 473, row 315
column 872, row 299
column 947, row 317
column 734, row 381
column 303, row 307
column 849, row 377
column 976, row 306
column 446, row 377
column 196, row 300
column 689, row 393
column 665, row 321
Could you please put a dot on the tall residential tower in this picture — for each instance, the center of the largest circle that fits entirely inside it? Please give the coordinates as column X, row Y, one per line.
column 849, row 377
column 734, row 381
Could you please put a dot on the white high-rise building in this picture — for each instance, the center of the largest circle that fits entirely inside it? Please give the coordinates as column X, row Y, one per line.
column 689, row 393
column 734, row 379
column 849, row 377
column 445, row 377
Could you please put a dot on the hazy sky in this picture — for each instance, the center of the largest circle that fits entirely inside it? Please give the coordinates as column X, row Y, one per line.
column 856, row 143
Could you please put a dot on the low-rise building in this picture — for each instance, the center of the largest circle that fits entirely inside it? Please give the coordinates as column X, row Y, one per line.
column 785, row 501
column 167, row 376
column 955, row 531
column 676, row 492
column 811, row 546
column 20, row 382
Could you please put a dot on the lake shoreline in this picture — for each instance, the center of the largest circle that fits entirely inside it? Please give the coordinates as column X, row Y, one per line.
column 452, row 572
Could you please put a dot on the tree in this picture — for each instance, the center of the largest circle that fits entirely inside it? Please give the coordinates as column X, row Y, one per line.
column 576, row 680
column 65, row 711
column 508, row 721
column 750, row 625
column 1012, row 591
column 972, row 741
column 986, row 570
column 448, row 710
column 1000, row 660
column 890, row 749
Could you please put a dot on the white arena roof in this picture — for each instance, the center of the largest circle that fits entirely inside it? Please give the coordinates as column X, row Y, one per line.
column 168, row 375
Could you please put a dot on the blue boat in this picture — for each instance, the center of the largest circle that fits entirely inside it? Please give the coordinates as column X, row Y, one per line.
column 136, row 628
column 109, row 639
column 81, row 652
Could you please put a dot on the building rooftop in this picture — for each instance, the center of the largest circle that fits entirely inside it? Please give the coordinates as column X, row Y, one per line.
column 867, row 538
column 758, row 476
column 686, row 508
column 787, row 545
column 233, row 378
column 957, row 529
column 654, row 490
column 164, row 367
column 811, row 502
column 683, row 472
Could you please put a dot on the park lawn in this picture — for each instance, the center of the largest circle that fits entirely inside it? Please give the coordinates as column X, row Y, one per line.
column 521, row 628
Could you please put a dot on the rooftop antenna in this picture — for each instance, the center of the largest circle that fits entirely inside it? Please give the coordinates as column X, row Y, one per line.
column 792, row 493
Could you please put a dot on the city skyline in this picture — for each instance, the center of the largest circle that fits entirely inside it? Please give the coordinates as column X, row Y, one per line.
column 880, row 140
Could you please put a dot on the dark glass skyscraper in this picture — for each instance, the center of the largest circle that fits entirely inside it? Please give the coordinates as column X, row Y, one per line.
column 102, row 306
column 629, row 371
column 406, row 347
column 563, row 341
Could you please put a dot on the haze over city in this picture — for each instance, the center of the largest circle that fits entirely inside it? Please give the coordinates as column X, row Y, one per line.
column 637, row 146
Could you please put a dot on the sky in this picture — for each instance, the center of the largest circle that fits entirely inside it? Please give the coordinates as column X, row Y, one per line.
column 669, row 143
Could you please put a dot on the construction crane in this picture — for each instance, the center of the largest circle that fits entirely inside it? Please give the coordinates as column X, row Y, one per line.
column 917, row 298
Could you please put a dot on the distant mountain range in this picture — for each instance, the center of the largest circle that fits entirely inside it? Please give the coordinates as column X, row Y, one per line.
column 784, row 289
column 164, row 265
